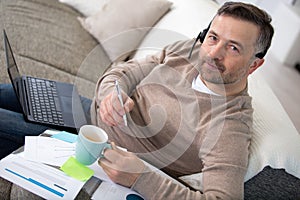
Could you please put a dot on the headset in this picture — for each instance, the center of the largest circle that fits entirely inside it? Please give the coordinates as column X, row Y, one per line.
column 201, row 37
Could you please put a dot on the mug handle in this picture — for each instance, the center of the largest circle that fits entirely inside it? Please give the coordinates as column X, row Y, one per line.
column 107, row 146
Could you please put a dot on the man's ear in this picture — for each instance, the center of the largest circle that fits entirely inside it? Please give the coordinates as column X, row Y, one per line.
column 256, row 64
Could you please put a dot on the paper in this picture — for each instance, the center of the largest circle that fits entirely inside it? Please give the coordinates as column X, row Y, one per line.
column 48, row 150
column 43, row 180
column 110, row 191
column 77, row 170
column 27, row 170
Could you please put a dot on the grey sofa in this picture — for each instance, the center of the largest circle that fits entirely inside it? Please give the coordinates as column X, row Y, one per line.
column 49, row 42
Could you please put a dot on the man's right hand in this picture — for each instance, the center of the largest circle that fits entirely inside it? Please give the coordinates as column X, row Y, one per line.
column 111, row 112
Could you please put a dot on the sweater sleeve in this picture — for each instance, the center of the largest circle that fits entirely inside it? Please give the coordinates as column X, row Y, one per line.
column 129, row 74
column 154, row 186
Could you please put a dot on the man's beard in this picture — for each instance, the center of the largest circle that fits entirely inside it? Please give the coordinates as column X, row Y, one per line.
column 217, row 76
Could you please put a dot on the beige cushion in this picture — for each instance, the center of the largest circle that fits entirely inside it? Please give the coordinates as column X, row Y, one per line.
column 85, row 7
column 120, row 30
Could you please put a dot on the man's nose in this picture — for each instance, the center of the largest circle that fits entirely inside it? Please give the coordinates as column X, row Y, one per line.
column 217, row 51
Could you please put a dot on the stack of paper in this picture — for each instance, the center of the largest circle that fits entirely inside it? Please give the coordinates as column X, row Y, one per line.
column 48, row 168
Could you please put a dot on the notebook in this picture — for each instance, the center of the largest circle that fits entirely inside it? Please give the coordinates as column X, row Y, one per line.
column 45, row 101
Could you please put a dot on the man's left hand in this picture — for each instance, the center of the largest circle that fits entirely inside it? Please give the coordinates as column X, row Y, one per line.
column 121, row 167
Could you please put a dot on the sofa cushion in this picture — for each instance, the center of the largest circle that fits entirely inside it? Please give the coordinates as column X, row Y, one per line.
column 121, row 30
column 183, row 21
column 87, row 8
column 49, row 42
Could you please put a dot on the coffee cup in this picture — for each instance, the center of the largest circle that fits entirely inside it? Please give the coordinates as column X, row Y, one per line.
column 91, row 142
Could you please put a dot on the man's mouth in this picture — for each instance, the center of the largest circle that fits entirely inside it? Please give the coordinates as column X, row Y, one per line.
column 215, row 67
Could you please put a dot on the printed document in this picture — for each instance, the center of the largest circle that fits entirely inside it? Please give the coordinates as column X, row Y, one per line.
column 41, row 179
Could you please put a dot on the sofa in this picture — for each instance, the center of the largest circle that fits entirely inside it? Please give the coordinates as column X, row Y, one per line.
column 75, row 42
column 49, row 42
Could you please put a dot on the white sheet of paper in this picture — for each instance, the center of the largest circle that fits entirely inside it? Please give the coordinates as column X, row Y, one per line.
column 48, row 150
column 111, row 191
column 43, row 180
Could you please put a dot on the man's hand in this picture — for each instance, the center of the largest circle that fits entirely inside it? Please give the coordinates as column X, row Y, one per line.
column 121, row 167
column 111, row 111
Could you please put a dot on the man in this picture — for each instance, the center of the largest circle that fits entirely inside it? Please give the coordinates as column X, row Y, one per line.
column 186, row 116
column 188, row 110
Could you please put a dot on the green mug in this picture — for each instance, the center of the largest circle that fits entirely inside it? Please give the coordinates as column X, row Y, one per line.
column 91, row 142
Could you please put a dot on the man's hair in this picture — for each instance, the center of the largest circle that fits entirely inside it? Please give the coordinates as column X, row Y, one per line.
column 254, row 15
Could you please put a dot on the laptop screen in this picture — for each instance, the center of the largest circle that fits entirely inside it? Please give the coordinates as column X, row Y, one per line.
column 12, row 68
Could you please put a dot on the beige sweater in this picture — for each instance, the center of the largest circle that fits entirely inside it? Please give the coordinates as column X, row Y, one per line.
column 178, row 129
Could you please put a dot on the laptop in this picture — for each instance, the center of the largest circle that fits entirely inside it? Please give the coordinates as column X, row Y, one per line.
column 43, row 101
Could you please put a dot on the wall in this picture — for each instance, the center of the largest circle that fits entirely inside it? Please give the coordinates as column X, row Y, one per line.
column 286, row 22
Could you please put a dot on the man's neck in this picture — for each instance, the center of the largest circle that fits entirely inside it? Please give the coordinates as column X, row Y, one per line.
column 226, row 89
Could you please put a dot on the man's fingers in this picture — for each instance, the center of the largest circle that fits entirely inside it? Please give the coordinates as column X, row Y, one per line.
column 119, row 150
column 118, row 107
column 108, row 112
column 112, row 111
column 105, row 113
column 111, row 155
column 129, row 104
column 106, row 166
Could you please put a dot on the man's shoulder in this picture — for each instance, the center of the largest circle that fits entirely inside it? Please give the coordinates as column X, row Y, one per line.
column 180, row 45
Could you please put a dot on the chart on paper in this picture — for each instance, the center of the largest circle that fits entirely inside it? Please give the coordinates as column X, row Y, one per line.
column 45, row 181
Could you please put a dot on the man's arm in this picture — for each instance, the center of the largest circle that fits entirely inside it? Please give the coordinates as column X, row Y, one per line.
column 128, row 74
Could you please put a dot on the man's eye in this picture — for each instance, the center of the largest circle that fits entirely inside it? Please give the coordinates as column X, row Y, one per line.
column 234, row 48
column 212, row 38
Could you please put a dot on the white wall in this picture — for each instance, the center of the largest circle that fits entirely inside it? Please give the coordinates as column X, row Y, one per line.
column 256, row 2
column 286, row 22
column 246, row 1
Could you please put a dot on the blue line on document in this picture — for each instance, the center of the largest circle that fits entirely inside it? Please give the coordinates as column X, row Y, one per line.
column 36, row 183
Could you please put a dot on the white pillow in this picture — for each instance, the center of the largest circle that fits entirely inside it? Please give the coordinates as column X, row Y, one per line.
column 85, row 7
column 121, row 30
column 185, row 20
column 275, row 142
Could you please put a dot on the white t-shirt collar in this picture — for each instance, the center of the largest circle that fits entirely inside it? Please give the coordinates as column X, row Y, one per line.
column 198, row 85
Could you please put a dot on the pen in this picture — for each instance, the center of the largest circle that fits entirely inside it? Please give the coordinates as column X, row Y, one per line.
column 121, row 100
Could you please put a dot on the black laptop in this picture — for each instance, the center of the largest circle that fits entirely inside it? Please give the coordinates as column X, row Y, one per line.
column 45, row 101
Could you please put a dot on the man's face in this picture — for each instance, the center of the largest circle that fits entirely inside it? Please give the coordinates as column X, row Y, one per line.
column 226, row 55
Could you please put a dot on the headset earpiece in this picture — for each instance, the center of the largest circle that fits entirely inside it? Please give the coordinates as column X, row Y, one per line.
column 261, row 54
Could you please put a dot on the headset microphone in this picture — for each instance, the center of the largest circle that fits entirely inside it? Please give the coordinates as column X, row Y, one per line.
column 197, row 38
column 200, row 37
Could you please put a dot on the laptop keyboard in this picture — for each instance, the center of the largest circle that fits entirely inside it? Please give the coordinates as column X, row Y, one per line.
column 43, row 95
